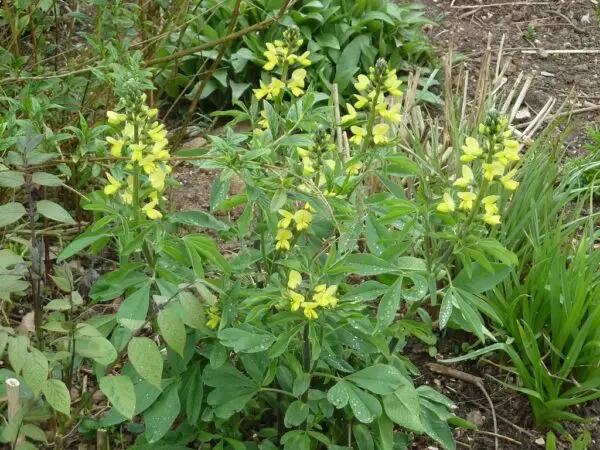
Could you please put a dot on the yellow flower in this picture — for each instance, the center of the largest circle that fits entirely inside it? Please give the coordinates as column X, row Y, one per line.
column 147, row 164
column 215, row 318
column 392, row 84
column 309, row 208
column 115, row 118
column 492, row 170
column 296, row 300
column 466, row 179
column 351, row 114
column 325, row 296
column 392, row 114
column 128, row 131
column 303, row 59
column 137, row 152
column 379, row 133
column 294, row 279
column 308, row 167
column 309, row 310
column 358, row 134
column 264, row 121
column 151, row 213
column 489, row 203
column 275, row 87
column 303, row 218
column 152, row 112
column 467, row 199
column 491, row 219
column 116, row 146
column 272, row 57
column 113, row 185
column 157, row 179
column 447, row 204
column 302, row 152
column 283, row 238
column 261, row 92
column 157, row 133
column 510, row 152
column 362, row 83
column 296, row 83
column 362, row 101
column 471, row 150
column 287, row 218
column 354, row 168
column 508, row 182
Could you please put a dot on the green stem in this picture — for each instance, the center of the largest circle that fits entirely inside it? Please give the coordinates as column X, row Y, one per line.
column 279, row 391
column 371, row 122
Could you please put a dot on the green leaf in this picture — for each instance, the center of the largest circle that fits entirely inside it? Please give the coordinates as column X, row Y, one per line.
column 46, row 179
column 403, row 408
column 246, row 340
column 85, row 240
column 133, row 311
column 17, row 353
column 11, row 179
column 348, row 62
column 35, row 371
column 283, row 341
column 57, row 396
column 278, row 200
column 437, row 428
column 198, row 219
column 172, row 329
column 119, row 391
column 480, row 279
column 363, row 437
column 195, row 393
column 33, row 432
column 339, row 394
column 146, row 359
column 296, row 414
column 90, row 343
column 446, row 309
column 192, row 309
column 59, row 304
column 54, row 211
column 301, row 384
column 161, row 415
column 364, row 265
column 10, row 213
column 365, row 407
column 389, row 304
column 380, row 379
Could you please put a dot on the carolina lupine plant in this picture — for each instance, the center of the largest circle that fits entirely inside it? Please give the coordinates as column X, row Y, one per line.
column 141, row 142
column 487, row 179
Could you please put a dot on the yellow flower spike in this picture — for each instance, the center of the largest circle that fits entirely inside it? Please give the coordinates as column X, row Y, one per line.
column 508, row 182
column 151, row 213
column 471, row 150
column 116, row 146
column 294, row 279
column 379, row 133
column 261, row 92
column 283, row 239
column 307, row 166
column 113, row 185
column 466, row 179
column 303, row 59
column 303, row 218
column 362, row 83
column 215, row 318
column 325, row 296
column 491, row 219
column 467, row 199
column 296, row 83
column 354, row 168
column 296, row 300
column 147, row 164
column 137, row 152
column 392, row 114
column 309, row 310
column 489, row 204
column 362, row 101
column 275, row 87
column 309, row 208
column 392, row 84
column 287, row 218
column 157, row 179
column 128, row 131
column 302, row 152
column 158, row 133
column 447, row 205
column 115, row 118
column 278, row 43
column 492, row 170
column 272, row 57
column 359, row 134
column 351, row 114
column 152, row 112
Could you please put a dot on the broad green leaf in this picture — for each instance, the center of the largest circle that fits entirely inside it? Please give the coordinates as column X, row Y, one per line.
column 33, row 432
column 119, row 391
column 193, row 310
column 389, row 304
column 195, row 394
column 402, row 407
column 17, row 353
column 35, row 371
column 365, row 407
column 296, row 414
column 446, row 309
column 283, row 341
column 339, row 395
column 363, row 437
column 198, row 219
column 54, row 211
column 380, row 379
column 57, row 396
column 59, row 304
column 90, row 343
column 481, row 280
column 301, row 384
column 437, row 428
column 10, row 213
column 161, row 415
column 146, row 359
column 348, row 62
column 365, row 265
column 172, row 329
column 133, row 311
column 46, row 179
column 81, row 242
column 11, row 179
column 246, row 340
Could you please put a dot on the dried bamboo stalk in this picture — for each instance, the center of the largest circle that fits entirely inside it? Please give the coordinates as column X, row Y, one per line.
column 13, row 393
